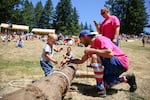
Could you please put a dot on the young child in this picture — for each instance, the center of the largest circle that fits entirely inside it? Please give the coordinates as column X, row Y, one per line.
column 67, row 56
column 20, row 42
column 47, row 58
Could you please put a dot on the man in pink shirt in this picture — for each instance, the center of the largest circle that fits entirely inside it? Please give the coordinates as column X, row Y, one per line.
column 107, row 60
column 110, row 26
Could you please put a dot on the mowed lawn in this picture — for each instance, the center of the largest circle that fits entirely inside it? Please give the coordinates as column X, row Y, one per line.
column 23, row 64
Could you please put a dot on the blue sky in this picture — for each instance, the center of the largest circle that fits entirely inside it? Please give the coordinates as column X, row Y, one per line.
column 88, row 10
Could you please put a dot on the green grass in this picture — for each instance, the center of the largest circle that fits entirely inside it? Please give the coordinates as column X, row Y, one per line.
column 137, row 47
column 25, row 64
column 12, row 68
column 6, row 63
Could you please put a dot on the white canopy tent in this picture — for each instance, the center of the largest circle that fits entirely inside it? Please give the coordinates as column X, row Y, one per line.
column 14, row 27
column 43, row 31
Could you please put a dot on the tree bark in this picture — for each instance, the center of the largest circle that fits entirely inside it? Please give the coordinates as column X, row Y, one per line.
column 52, row 87
column 84, row 74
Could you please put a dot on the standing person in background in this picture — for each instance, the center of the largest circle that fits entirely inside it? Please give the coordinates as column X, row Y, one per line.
column 143, row 40
column 47, row 58
column 109, row 27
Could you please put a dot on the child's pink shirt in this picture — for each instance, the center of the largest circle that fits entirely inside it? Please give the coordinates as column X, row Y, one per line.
column 107, row 26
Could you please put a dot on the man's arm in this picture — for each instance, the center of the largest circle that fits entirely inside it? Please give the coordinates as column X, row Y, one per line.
column 97, row 27
column 106, row 53
column 79, row 61
column 50, row 58
column 117, row 30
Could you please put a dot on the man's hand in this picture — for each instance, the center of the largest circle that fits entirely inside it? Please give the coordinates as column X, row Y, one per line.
column 95, row 23
column 73, row 60
column 62, row 63
column 114, row 41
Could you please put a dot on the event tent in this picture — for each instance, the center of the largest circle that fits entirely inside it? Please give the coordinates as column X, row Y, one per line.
column 43, row 31
column 14, row 27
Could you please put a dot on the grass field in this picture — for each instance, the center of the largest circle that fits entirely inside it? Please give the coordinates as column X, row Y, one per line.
column 23, row 64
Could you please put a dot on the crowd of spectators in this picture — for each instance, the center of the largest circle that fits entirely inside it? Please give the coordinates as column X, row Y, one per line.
column 66, row 39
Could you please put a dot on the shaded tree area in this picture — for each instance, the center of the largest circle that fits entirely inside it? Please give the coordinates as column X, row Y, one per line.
column 46, row 18
column 9, row 10
column 28, row 16
column 132, row 15
column 38, row 13
column 64, row 18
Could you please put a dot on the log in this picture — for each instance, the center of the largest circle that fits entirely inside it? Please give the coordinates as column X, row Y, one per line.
column 84, row 74
column 52, row 87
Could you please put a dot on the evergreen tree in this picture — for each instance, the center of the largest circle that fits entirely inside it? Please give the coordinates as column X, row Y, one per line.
column 28, row 14
column 76, row 27
column 38, row 13
column 7, row 8
column 82, row 26
column 90, row 28
column 16, row 16
column 132, row 14
column 46, row 19
column 63, row 20
column 64, row 17
column 86, row 26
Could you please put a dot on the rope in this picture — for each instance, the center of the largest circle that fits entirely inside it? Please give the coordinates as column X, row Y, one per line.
column 11, row 83
column 1, row 97
column 67, row 78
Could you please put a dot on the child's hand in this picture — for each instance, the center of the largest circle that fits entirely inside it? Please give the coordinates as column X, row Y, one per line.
column 62, row 63
column 56, row 62
column 60, row 49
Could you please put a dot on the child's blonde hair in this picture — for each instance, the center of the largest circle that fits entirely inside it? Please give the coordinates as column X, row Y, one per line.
column 53, row 36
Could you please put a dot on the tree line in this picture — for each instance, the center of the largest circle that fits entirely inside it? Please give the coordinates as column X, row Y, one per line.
column 131, row 13
column 65, row 19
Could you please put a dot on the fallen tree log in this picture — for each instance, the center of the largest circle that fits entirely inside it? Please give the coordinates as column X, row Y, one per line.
column 52, row 87
column 84, row 74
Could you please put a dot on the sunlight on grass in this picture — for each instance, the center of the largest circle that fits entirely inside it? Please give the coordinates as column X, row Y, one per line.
column 27, row 64
column 23, row 63
column 136, row 47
